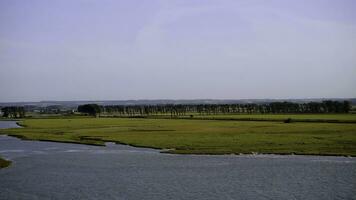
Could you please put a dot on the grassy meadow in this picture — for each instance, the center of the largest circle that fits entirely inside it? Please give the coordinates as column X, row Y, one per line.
column 185, row 136
column 339, row 117
column 328, row 118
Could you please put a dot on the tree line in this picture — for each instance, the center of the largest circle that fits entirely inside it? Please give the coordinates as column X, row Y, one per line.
column 13, row 112
column 199, row 109
column 214, row 109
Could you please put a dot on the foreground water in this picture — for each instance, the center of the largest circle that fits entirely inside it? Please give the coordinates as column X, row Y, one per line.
column 48, row 170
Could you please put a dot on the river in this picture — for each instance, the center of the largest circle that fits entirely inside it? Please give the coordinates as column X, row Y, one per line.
column 49, row 170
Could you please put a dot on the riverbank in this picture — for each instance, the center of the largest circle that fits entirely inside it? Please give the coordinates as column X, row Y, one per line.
column 186, row 136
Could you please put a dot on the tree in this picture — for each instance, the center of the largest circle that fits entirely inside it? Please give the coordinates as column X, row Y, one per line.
column 90, row 109
column 13, row 112
column 346, row 106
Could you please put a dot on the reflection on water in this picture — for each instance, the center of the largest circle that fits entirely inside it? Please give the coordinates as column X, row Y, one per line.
column 48, row 170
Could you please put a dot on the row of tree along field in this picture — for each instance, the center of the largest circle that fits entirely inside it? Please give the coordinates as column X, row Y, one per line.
column 13, row 112
column 216, row 109
column 199, row 109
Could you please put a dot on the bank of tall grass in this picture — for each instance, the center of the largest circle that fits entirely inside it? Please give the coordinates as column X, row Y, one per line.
column 198, row 136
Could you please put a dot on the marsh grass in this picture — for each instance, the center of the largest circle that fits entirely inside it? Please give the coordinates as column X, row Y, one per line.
column 186, row 136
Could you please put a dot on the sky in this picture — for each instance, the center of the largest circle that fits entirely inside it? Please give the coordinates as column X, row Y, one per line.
column 176, row 49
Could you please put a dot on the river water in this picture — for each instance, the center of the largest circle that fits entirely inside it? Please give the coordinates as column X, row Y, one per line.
column 48, row 170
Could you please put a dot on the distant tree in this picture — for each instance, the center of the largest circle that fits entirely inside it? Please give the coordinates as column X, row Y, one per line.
column 208, row 109
column 13, row 112
column 346, row 106
column 90, row 109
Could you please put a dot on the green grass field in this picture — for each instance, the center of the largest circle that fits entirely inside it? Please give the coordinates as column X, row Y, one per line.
column 4, row 163
column 350, row 117
column 186, row 136
column 334, row 118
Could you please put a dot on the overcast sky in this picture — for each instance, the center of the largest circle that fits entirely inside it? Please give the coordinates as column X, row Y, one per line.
column 183, row 49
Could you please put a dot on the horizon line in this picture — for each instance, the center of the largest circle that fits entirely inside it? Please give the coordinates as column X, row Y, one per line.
column 164, row 99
